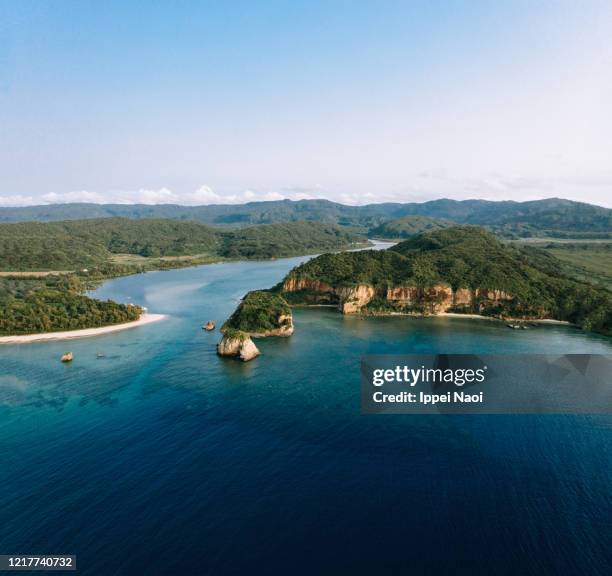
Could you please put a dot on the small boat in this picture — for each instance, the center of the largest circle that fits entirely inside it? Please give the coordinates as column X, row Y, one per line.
column 67, row 357
column 209, row 326
column 100, row 355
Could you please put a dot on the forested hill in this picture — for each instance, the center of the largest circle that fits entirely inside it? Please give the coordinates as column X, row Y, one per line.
column 70, row 245
column 408, row 226
column 550, row 217
column 56, row 303
column 527, row 282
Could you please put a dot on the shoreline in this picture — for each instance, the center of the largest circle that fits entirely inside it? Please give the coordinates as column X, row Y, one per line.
column 480, row 317
column 477, row 317
column 440, row 315
column 82, row 333
column 182, row 262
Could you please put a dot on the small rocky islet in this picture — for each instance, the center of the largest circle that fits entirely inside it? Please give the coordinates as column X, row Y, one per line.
column 260, row 314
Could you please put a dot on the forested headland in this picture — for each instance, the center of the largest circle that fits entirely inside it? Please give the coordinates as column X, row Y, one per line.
column 54, row 304
column 462, row 269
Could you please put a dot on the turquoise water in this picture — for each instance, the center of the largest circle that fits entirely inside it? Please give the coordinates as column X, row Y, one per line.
column 162, row 458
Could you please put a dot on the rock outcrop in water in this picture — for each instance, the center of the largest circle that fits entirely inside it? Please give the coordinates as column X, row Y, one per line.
column 237, row 344
column 260, row 314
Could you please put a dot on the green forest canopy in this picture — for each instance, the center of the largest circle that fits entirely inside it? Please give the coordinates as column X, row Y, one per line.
column 259, row 311
column 78, row 244
column 408, row 226
column 56, row 303
column 32, row 305
column 470, row 257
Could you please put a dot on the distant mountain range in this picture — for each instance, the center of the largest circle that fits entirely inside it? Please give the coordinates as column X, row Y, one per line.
column 550, row 217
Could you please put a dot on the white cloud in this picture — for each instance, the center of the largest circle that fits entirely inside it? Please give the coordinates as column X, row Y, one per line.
column 422, row 186
column 18, row 200
column 202, row 196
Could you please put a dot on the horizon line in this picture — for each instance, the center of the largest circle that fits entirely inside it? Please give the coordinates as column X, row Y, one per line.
column 251, row 202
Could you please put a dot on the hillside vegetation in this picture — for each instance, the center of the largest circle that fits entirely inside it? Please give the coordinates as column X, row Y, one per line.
column 408, row 226
column 587, row 261
column 550, row 217
column 78, row 244
column 56, row 303
column 280, row 240
column 259, row 312
column 471, row 258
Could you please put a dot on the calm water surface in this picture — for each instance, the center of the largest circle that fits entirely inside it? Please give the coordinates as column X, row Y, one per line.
column 162, row 458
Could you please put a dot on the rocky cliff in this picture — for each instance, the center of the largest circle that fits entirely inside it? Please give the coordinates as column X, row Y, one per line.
column 293, row 284
column 285, row 328
column 461, row 269
column 237, row 344
column 352, row 299
column 435, row 299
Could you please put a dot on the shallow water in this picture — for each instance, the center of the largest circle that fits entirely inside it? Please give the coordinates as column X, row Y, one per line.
column 162, row 458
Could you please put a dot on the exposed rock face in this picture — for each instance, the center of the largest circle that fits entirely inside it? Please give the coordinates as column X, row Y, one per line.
column 463, row 297
column 285, row 322
column 296, row 284
column 438, row 298
column 248, row 350
column 435, row 299
column 354, row 297
column 240, row 346
column 402, row 294
column 494, row 295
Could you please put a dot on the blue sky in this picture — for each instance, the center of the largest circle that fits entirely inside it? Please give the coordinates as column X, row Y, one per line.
column 206, row 102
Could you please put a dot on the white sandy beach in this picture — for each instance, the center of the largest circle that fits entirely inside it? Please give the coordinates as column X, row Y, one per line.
column 444, row 315
column 519, row 320
column 85, row 333
column 479, row 317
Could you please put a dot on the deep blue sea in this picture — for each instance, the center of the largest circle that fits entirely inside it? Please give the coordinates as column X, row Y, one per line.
column 162, row 458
